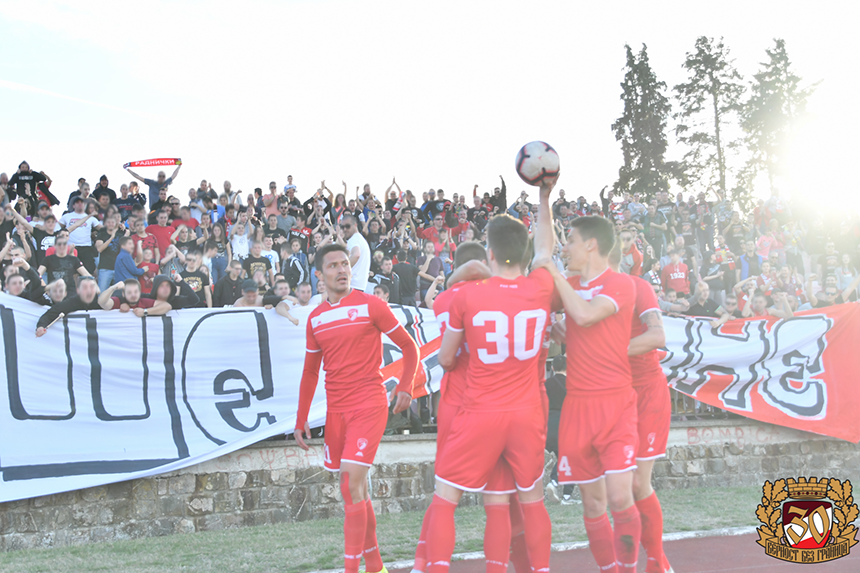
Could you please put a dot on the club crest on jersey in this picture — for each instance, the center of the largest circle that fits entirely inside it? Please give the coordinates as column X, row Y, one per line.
column 628, row 452
column 362, row 444
column 352, row 314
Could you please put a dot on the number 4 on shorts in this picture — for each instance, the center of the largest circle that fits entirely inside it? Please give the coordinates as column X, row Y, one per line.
column 564, row 466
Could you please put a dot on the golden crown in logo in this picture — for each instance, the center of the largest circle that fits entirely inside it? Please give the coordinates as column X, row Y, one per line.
column 803, row 489
column 807, row 520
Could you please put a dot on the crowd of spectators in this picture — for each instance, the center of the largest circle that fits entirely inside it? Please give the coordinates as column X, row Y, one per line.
column 150, row 251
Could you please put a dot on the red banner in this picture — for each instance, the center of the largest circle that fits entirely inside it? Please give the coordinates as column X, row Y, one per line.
column 153, row 162
column 800, row 372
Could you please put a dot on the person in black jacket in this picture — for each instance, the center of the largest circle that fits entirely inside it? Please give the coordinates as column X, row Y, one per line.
column 85, row 299
column 176, row 292
column 556, row 390
column 228, row 289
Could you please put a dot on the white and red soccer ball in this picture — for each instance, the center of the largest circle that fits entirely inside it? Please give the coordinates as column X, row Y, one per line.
column 537, row 161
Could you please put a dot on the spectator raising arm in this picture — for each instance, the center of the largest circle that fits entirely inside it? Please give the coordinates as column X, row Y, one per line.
column 544, row 239
column 105, row 298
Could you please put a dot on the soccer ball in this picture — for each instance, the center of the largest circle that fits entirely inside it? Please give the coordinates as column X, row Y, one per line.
column 537, row 161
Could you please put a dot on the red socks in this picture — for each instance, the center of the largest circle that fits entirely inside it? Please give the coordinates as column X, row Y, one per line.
column 519, row 552
column 440, row 535
column 372, row 559
column 628, row 529
column 600, row 542
column 421, row 548
column 354, row 525
column 651, row 516
column 538, row 534
column 497, row 537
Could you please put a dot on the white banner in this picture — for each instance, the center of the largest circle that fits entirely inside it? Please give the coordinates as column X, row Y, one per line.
column 106, row 396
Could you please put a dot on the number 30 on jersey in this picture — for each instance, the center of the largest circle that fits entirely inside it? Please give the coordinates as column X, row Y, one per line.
column 523, row 348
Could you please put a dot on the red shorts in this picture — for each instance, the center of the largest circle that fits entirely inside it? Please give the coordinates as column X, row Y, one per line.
column 353, row 436
column 597, row 435
column 445, row 415
column 654, row 412
column 501, row 479
column 478, row 439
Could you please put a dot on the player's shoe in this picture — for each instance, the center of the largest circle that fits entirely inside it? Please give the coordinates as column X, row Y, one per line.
column 551, row 492
column 383, row 570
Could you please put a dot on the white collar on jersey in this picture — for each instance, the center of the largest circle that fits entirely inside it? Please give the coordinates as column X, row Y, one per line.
column 586, row 283
column 341, row 300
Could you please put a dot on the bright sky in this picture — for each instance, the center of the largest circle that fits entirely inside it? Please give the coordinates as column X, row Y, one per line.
column 439, row 94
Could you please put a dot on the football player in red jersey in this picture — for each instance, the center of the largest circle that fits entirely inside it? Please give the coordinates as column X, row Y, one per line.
column 502, row 319
column 346, row 331
column 452, row 387
column 653, row 410
column 597, row 430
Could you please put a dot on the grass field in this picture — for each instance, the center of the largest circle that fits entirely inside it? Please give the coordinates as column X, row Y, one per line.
column 315, row 545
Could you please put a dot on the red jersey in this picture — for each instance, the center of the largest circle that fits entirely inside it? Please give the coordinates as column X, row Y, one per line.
column 504, row 321
column 349, row 334
column 597, row 358
column 646, row 367
column 145, row 280
column 162, row 236
column 676, row 277
column 454, row 382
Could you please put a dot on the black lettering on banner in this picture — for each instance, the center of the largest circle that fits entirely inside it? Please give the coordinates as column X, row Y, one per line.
column 227, row 409
column 781, row 359
column 16, row 404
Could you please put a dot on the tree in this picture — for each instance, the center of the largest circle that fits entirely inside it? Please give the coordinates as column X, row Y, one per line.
column 641, row 129
column 707, row 102
column 770, row 114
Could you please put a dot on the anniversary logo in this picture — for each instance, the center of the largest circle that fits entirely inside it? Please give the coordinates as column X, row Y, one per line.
column 807, row 521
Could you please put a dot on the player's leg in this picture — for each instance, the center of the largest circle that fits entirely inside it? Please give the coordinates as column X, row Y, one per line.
column 364, row 431
column 654, row 412
column 442, row 534
column 651, row 516
column 445, row 414
column 625, row 517
column 497, row 532
column 526, row 438
column 519, row 550
column 597, row 525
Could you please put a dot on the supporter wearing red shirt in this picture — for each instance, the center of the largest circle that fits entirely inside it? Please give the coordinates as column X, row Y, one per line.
column 162, row 232
column 345, row 332
column 597, row 430
column 675, row 275
column 502, row 320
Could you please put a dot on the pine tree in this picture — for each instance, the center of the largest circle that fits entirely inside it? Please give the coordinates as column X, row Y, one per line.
column 708, row 101
column 641, row 129
column 776, row 103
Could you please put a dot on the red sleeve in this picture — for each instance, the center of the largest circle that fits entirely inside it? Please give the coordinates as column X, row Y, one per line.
column 637, row 263
column 620, row 290
column 310, row 377
column 410, row 358
column 646, row 300
column 146, row 302
column 422, row 233
column 381, row 315
column 456, row 311
column 116, row 302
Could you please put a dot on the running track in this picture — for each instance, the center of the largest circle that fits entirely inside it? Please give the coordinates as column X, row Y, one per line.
column 736, row 554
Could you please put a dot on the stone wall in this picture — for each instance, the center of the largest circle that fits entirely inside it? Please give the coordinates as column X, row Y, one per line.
column 275, row 482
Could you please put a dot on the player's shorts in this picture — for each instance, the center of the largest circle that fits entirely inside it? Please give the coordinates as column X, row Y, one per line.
column 597, row 435
column 501, row 479
column 353, row 436
column 478, row 439
column 445, row 414
column 654, row 412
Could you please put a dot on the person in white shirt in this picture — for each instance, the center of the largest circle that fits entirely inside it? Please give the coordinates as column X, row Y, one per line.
column 359, row 251
column 273, row 256
column 80, row 227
